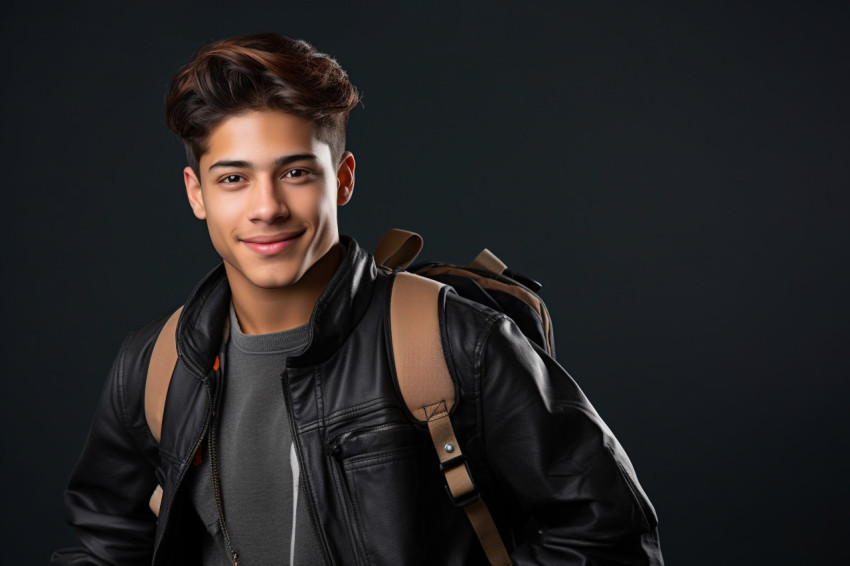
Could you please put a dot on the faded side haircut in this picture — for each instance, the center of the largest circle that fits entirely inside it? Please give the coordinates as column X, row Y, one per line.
column 258, row 71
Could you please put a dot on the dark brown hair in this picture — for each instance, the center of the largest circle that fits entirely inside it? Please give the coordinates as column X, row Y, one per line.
column 258, row 71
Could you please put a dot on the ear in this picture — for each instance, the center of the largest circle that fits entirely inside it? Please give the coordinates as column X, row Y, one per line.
column 345, row 179
column 193, row 191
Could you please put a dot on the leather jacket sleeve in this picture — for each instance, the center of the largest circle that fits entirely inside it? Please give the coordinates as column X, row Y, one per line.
column 546, row 444
column 108, row 493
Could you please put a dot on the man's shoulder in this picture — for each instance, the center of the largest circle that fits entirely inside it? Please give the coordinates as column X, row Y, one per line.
column 461, row 309
column 467, row 326
column 131, row 363
column 142, row 338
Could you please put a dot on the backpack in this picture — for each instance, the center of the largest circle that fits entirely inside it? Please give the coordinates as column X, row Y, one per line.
column 421, row 369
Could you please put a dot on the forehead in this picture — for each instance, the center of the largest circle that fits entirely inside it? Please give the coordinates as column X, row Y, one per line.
column 263, row 136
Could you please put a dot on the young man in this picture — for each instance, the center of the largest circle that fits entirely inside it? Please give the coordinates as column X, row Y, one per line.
column 283, row 438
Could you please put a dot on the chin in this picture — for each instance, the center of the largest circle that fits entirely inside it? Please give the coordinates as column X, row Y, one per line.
column 274, row 281
column 268, row 277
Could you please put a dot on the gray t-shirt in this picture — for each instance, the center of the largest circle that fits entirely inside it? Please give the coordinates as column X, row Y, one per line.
column 258, row 469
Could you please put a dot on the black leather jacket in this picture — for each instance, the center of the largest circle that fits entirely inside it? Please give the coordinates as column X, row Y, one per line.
column 558, row 484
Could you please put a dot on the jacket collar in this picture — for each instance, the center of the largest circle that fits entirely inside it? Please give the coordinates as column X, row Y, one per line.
column 340, row 307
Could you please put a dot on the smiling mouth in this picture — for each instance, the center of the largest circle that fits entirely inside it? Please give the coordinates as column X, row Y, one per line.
column 271, row 245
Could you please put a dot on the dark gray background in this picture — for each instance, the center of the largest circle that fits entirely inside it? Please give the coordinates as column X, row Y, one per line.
column 675, row 173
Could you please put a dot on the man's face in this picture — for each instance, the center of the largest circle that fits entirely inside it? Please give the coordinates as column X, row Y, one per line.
column 269, row 190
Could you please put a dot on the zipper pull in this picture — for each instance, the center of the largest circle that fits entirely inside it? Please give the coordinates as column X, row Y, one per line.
column 235, row 558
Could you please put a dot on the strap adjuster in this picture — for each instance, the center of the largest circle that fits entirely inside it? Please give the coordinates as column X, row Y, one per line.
column 463, row 499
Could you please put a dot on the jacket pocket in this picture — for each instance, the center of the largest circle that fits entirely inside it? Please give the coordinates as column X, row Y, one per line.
column 379, row 478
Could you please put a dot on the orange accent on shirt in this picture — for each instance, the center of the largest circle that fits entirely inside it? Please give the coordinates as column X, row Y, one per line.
column 216, row 365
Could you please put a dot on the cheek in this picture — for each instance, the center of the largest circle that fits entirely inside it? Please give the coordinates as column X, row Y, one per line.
column 220, row 218
column 217, row 238
column 311, row 206
column 325, row 216
column 327, row 205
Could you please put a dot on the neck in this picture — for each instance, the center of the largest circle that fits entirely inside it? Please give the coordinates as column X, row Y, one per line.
column 263, row 311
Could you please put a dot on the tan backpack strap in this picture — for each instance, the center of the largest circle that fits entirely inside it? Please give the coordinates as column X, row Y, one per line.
column 397, row 249
column 429, row 393
column 423, row 375
column 163, row 360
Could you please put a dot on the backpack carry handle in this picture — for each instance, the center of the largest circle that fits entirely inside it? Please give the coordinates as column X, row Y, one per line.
column 397, row 249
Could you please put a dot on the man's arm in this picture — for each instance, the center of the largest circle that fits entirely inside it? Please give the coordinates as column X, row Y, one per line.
column 548, row 445
column 108, row 493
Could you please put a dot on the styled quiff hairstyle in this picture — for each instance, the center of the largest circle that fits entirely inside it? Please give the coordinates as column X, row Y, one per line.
column 258, row 71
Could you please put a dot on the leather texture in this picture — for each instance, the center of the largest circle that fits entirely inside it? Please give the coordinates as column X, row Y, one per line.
column 559, row 485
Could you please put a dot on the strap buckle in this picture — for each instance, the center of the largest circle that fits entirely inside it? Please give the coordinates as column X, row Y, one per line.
column 464, row 499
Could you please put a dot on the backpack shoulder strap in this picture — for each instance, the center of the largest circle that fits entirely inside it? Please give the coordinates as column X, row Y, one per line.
column 163, row 360
column 429, row 393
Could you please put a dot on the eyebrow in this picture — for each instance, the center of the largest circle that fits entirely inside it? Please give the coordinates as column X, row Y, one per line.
column 279, row 162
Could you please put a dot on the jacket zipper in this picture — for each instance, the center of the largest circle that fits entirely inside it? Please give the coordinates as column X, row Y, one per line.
column 185, row 468
column 284, row 381
column 216, row 481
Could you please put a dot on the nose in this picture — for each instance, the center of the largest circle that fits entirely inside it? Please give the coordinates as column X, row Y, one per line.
column 268, row 201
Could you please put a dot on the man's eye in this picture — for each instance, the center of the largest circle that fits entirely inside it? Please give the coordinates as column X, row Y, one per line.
column 295, row 173
column 229, row 179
